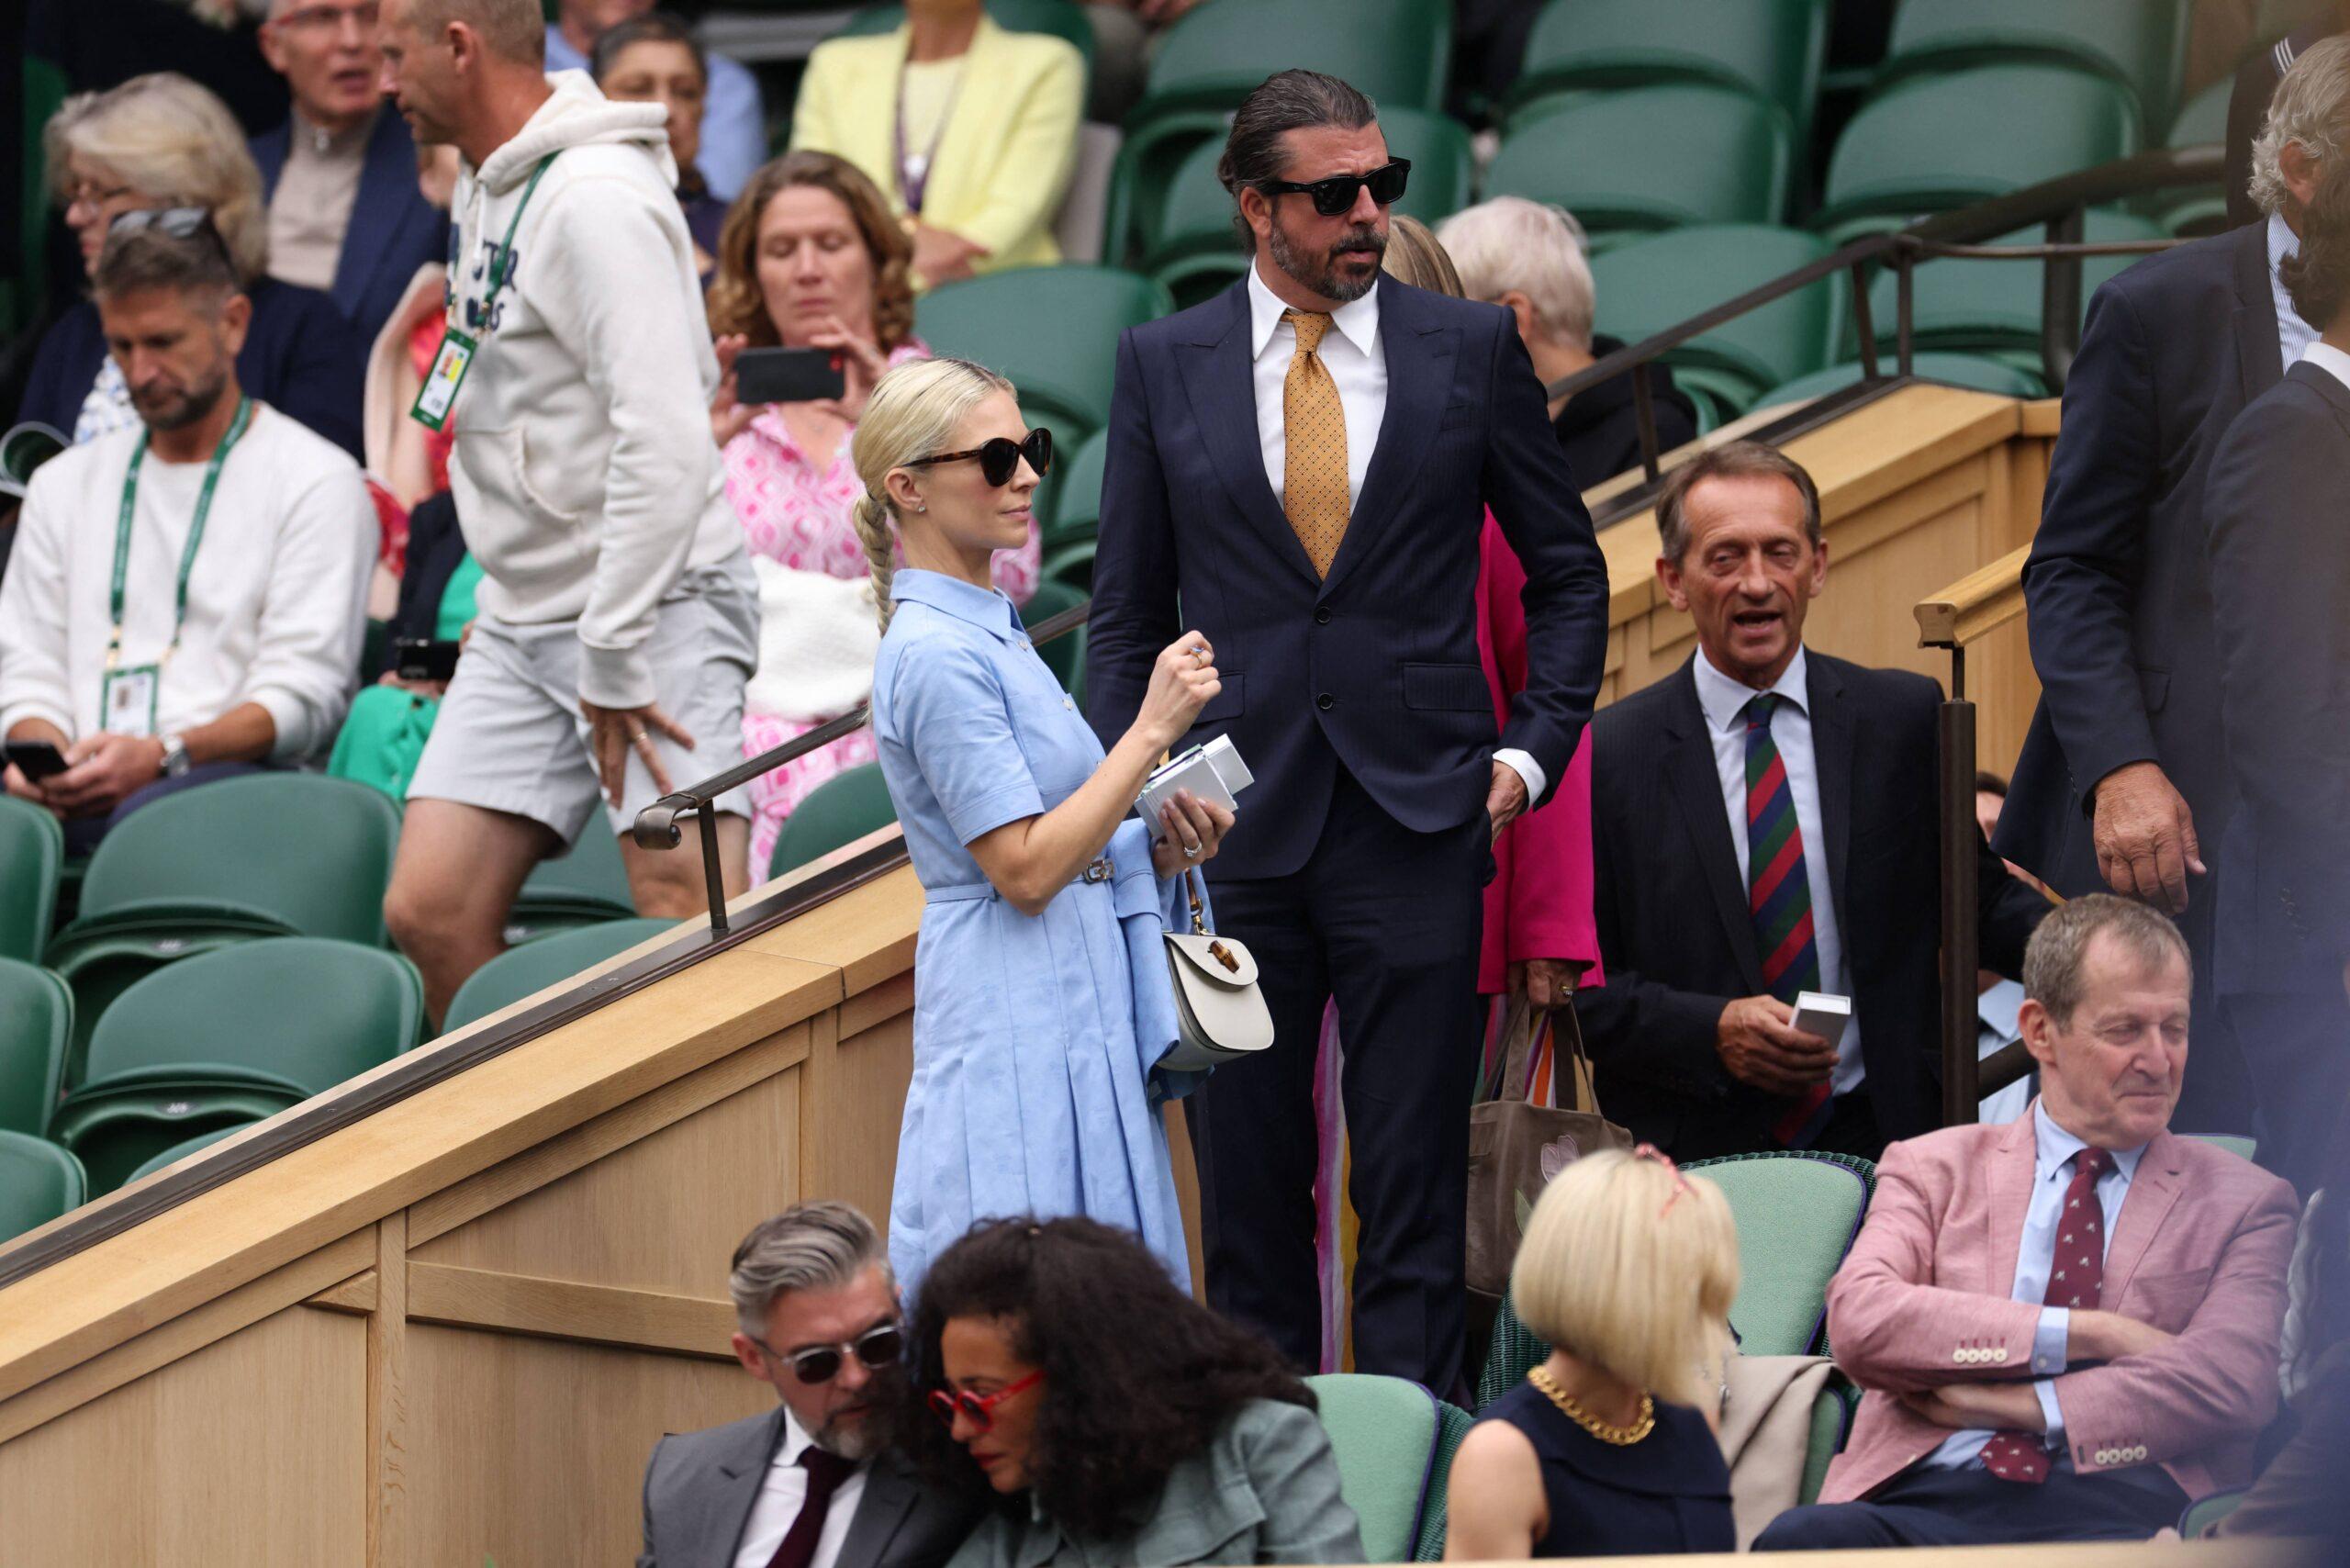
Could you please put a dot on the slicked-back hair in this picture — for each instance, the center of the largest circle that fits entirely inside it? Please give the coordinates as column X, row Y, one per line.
column 1731, row 460
column 2059, row 950
column 819, row 1245
column 1283, row 102
column 514, row 29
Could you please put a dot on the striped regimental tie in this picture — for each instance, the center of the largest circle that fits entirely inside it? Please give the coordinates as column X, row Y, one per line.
column 1778, row 897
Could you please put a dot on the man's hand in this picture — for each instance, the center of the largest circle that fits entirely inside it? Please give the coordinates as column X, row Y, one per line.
column 1968, row 1406
column 941, row 255
column 1760, row 1047
column 24, row 788
column 1505, row 798
column 2145, row 836
column 2094, row 1336
column 613, row 733
column 1545, row 983
column 103, row 772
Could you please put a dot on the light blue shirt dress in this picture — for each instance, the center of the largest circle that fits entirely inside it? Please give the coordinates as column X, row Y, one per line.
column 1037, row 1037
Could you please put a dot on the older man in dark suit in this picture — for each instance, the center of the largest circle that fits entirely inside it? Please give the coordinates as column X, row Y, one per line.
column 1306, row 461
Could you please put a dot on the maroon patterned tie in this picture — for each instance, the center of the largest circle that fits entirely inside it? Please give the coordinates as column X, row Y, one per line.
column 826, row 1472
column 2075, row 1277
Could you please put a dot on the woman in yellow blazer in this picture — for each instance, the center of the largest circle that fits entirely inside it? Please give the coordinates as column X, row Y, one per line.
column 970, row 129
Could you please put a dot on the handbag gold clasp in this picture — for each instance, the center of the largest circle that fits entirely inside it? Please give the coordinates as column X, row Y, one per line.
column 1223, row 954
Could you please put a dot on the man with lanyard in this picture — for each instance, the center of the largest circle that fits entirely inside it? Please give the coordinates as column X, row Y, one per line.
column 619, row 616
column 215, row 625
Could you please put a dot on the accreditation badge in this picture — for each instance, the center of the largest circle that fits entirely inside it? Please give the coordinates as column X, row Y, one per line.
column 439, row 393
column 126, row 700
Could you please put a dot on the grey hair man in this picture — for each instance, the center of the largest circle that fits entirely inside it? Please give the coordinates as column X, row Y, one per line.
column 2120, row 785
column 813, row 1483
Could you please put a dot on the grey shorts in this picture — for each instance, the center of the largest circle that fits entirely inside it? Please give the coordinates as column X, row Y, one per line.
column 509, row 737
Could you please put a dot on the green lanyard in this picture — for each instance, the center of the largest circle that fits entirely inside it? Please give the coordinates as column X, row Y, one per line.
column 195, row 531
column 502, row 265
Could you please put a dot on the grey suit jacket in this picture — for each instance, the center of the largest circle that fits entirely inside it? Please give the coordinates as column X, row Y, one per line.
column 700, row 1487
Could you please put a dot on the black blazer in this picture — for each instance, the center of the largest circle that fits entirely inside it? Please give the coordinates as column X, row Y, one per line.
column 1678, row 943
column 2116, row 594
column 393, row 230
column 1375, row 668
column 2280, row 579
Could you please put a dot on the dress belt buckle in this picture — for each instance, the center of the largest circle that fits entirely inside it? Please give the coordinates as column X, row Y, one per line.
column 1102, row 870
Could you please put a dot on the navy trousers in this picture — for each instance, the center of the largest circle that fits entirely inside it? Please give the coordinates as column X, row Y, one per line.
column 1971, row 1507
column 1387, row 921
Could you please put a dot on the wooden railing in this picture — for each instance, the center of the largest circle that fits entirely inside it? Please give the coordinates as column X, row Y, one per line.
column 1976, row 605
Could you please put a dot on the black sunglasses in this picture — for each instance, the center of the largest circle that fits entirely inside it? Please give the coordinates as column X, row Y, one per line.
column 879, row 1347
column 1336, row 195
column 179, row 222
column 1000, row 458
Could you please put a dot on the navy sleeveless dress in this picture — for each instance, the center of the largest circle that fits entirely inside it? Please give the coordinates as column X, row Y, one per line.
column 1669, row 1492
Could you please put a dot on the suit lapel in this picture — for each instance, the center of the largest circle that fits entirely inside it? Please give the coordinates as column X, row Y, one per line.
column 1696, row 785
column 2012, row 1170
column 890, row 1495
column 1218, row 377
column 2151, row 1192
column 740, row 1476
column 1419, row 355
column 2259, row 358
column 387, row 174
column 1832, row 755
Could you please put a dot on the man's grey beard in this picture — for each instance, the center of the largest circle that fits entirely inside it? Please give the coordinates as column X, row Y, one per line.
column 857, row 1440
column 1322, row 277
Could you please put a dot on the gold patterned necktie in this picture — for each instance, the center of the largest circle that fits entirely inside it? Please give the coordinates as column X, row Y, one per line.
column 1313, row 427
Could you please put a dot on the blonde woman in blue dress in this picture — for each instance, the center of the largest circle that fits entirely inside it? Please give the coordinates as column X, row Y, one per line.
column 1042, row 1002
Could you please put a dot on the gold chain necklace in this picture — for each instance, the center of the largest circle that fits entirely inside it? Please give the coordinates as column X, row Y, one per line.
column 1615, row 1437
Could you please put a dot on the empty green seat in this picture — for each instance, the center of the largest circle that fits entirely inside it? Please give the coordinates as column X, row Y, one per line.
column 843, row 809
column 1383, row 1433
column 2203, row 122
column 1062, row 18
column 586, row 886
column 272, row 853
column 529, row 969
column 2237, row 1144
column 1934, row 142
column 1452, row 1430
column 1071, row 563
column 36, row 1023
column 1982, row 374
column 1064, row 655
column 1052, row 330
column 1979, row 304
column 1077, row 492
column 38, row 1182
column 2140, row 43
column 183, row 1149
column 232, row 1036
column 33, row 848
column 1648, row 285
column 1652, row 158
column 1773, row 48
column 1398, row 52
column 1798, row 1213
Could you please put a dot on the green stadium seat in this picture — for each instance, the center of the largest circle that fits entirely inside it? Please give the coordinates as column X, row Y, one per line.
column 1076, row 493
column 1798, row 1213
column 33, row 848
column 2202, row 123
column 1053, row 330
column 586, row 886
column 1982, row 374
column 1832, row 1423
column 1934, row 142
column 1383, row 1433
column 1062, row 18
column 1651, row 158
column 38, row 1182
column 1980, row 305
column 526, row 970
column 1148, row 158
column 843, row 808
column 35, row 1024
column 1452, row 1428
column 1064, row 655
column 1773, row 48
column 267, row 854
column 1648, row 285
column 2139, row 43
column 2205, row 1512
column 183, row 1149
column 2237, row 1144
column 1071, row 563
column 234, row 1036
column 1398, row 52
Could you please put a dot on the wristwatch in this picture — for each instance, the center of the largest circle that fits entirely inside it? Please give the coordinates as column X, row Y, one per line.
column 175, row 762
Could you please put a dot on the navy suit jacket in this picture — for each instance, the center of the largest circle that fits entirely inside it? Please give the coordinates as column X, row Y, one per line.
column 1376, row 668
column 1677, row 940
column 394, row 230
column 2280, row 576
column 2116, row 592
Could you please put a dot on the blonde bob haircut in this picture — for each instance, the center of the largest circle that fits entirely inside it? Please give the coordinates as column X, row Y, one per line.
column 1622, row 1267
column 913, row 412
column 174, row 145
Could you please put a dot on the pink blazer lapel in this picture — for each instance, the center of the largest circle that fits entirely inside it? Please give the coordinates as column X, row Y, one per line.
column 2151, row 1192
column 2010, row 1181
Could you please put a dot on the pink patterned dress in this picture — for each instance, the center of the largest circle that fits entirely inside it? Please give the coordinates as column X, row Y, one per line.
column 801, row 517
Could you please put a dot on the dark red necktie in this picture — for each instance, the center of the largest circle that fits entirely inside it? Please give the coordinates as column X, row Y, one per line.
column 2076, row 1279
column 826, row 1472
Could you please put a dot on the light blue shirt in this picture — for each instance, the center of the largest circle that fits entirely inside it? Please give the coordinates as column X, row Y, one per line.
column 1724, row 701
column 734, row 121
column 2293, row 334
column 2052, row 1176
column 1996, row 1011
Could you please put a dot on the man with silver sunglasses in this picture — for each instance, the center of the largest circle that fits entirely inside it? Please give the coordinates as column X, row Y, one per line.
column 814, row 1483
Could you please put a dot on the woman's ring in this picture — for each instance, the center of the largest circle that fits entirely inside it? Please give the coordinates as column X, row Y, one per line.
column 1191, row 852
column 1201, row 653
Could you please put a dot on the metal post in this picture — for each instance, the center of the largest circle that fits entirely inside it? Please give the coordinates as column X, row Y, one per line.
column 1960, row 943
column 2060, row 302
column 1644, row 410
column 711, row 874
column 1903, row 306
column 1861, row 323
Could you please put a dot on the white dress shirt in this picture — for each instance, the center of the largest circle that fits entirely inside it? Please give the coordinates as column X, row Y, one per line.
column 780, row 1494
column 1724, row 701
column 2328, row 358
column 2293, row 334
column 1351, row 352
column 2052, row 1177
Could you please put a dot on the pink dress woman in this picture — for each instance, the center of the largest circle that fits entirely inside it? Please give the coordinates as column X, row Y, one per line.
column 799, row 518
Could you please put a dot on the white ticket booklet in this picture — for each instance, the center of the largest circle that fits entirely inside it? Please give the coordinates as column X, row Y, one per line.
column 1211, row 772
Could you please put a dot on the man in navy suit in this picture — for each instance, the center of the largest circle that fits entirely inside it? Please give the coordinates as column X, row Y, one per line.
column 1305, row 462
column 2122, row 785
column 345, row 214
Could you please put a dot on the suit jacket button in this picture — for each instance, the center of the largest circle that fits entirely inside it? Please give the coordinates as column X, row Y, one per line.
column 2000, row 1354
column 1325, row 702
column 1321, row 615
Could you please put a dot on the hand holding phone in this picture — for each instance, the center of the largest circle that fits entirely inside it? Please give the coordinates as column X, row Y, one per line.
column 789, row 376
column 37, row 760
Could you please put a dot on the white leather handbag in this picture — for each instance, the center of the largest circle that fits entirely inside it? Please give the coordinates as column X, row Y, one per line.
column 1222, row 1015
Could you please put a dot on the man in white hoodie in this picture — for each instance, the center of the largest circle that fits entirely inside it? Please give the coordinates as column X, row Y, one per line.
column 619, row 616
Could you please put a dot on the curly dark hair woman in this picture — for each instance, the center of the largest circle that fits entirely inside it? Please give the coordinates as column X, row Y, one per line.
column 1055, row 1358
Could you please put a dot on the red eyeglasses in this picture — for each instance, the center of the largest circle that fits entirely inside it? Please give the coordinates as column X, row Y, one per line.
column 946, row 1403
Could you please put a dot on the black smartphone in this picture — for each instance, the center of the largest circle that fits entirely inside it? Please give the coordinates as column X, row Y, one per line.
column 36, row 760
column 787, row 376
column 421, row 658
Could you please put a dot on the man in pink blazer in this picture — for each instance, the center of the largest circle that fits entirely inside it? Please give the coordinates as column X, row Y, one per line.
column 2066, row 1326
